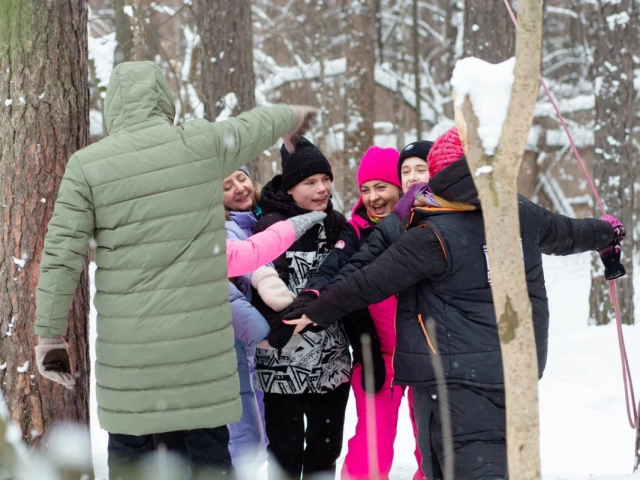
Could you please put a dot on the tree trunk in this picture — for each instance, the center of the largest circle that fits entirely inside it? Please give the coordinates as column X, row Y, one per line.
column 359, row 92
column 226, row 61
column 139, row 33
column 44, row 119
column 124, row 36
column 489, row 33
column 416, row 68
column 497, row 190
column 614, row 167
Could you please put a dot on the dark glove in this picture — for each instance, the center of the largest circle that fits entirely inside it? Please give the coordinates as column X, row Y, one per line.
column 357, row 324
column 280, row 334
column 619, row 231
column 297, row 307
column 611, row 254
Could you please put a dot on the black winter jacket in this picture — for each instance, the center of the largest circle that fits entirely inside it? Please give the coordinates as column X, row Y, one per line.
column 449, row 282
column 321, row 359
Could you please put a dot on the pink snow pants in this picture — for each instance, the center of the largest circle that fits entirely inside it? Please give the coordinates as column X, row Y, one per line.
column 387, row 404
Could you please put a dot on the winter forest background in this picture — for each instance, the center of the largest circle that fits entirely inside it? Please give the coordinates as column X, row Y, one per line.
column 362, row 62
column 378, row 69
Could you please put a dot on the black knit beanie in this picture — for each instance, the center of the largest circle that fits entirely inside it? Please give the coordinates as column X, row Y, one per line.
column 306, row 161
column 416, row 149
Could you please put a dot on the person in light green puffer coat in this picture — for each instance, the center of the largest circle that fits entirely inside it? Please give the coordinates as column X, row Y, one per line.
column 151, row 195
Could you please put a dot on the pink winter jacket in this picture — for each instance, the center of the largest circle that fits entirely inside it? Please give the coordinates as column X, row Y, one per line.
column 383, row 314
column 245, row 256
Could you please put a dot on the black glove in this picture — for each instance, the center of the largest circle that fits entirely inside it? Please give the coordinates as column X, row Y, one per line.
column 280, row 334
column 297, row 307
column 359, row 323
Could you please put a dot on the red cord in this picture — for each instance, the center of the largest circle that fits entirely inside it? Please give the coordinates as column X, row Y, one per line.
column 632, row 409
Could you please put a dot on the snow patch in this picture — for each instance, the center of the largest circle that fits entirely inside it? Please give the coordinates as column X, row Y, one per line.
column 101, row 51
column 12, row 324
column 488, row 87
column 24, row 368
column 21, row 101
column 616, row 19
column 230, row 102
column 484, row 170
column 8, row 102
column 19, row 262
column 128, row 10
column 3, row 366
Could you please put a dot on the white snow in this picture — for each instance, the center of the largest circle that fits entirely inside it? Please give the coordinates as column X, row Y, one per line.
column 19, row 261
column 43, row 200
column 8, row 102
column 3, row 366
column 488, row 87
column 69, row 446
column 12, row 324
column 128, row 10
column 101, row 51
column 24, row 368
column 96, row 128
column 584, row 428
column 621, row 18
column 230, row 102
column 484, row 170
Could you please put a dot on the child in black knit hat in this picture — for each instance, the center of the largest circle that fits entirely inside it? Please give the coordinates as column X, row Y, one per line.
column 306, row 375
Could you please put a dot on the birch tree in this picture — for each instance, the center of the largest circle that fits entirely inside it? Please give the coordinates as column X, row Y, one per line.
column 495, row 176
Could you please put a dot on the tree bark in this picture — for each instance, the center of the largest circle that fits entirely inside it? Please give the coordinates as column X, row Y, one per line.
column 416, row 68
column 614, row 167
column 226, row 60
column 498, row 195
column 124, row 35
column 139, row 33
column 44, row 119
column 489, row 33
column 359, row 92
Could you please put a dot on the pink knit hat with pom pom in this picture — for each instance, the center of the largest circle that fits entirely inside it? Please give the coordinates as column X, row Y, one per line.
column 446, row 150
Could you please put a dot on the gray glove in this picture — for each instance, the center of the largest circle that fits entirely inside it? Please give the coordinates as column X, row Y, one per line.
column 304, row 116
column 52, row 360
column 302, row 223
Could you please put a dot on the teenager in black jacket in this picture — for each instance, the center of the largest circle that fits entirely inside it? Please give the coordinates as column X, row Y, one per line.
column 440, row 271
column 306, row 375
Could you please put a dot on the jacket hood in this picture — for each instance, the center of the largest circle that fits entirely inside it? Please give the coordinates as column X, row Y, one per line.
column 274, row 199
column 138, row 94
column 455, row 183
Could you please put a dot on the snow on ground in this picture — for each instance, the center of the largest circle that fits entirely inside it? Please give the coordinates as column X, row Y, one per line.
column 584, row 428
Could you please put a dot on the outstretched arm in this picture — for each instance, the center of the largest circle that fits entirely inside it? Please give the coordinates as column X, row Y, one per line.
column 418, row 255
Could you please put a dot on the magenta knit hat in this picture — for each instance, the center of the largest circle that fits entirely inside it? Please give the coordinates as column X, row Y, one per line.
column 446, row 150
column 379, row 164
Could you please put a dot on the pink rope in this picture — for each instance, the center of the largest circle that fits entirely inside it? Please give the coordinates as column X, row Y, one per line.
column 629, row 394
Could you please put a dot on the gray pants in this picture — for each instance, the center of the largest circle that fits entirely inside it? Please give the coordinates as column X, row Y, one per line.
column 478, row 422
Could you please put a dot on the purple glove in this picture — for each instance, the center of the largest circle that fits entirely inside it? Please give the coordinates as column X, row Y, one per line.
column 619, row 231
column 405, row 204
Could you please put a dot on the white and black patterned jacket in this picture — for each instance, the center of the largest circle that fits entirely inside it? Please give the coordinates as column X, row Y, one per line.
column 316, row 361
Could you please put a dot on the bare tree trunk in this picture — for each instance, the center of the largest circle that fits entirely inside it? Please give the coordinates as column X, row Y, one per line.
column 614, row 167
column 124, row 36
column 416, row 68
column 226, row 60
column 44, row 119
column 489, row 33
column 139, row 34
column 498, row 194
column 359, row 92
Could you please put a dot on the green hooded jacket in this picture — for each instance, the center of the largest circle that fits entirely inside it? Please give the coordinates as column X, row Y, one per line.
column 150, row 194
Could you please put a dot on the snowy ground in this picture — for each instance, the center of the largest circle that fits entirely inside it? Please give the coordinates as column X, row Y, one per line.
column 584, row 428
